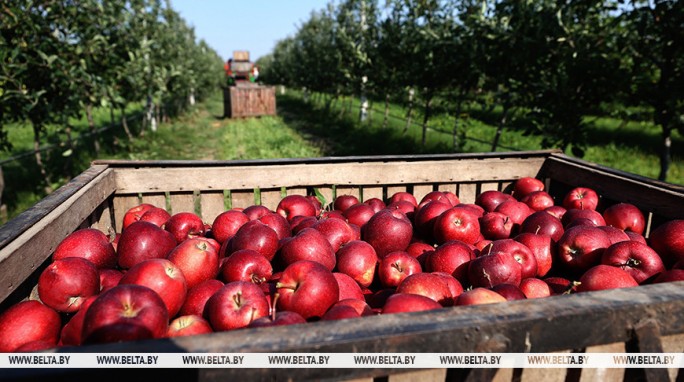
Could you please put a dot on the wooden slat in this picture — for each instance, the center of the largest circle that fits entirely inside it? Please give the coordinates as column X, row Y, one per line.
column 370, row 192
column 391, row 190
column 346, row 190
column 467, row 192
column 420, row 190
column 487, row 186
column 134, row 180
column 271, row 198
column 212, row 205
column 674, row 344
column 103, row 217
column 297, row 191
column 182, row 202
column 23, row 255
column 157, row 200
column 242, row 199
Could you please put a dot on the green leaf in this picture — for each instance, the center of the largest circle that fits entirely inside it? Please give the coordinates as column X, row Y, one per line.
column 320, row 197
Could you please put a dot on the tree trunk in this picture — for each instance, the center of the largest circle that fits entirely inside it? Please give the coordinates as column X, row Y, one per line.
column 39, row 159
column 124, row 124
column 409, row 112
column 91, row 128
column 499, row 128
column 386, row 118
column 665, row 153
column 426, row 117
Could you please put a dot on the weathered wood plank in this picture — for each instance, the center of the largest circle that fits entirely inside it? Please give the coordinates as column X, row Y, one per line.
column 270, row 198
column 431, row 375
column 467, row 192
column 242, row 199
column 370, row 192
column 603, row 374
column 182, row 202
column 143, row 179
column 212, row 205
column 122, row 203
column 158, row 200
column 420, row 190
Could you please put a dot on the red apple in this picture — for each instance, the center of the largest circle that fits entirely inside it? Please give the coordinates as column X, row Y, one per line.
column 516, row 211
column 538, row 200
column 295, row 205
column 454, row 286
column 496, row 225
column 451, row 257
column 509, row 292
column 254, row 212
column 395, row 267
column 336, row 231
column 358, row 260
column 342, row 202
column 542, row 248
column 490, row 199
column 479, row 296
column 404, row 206
column 66, row 283
column 143, row 241
column 388, row 231
column 521, row 253
column 636, row 237
column 134, row 214
column 474, row 208
column 561, row 285
column 72, row 330
column 361, row 307
column 109, row 278
column 163, row 277
column 671, row 275
column 424, row 219
column 405, row 302
column 227, row 224
column 428, row 285
column 637, row 259
column 316, row 203
column 246, row 265
column 256, row 236
column 626, row 217
column 308, row 244
column 556, row 211
column 581, row 247
column 188, row 326
column 403, row 195
column 348, row 287
column 543, row 223
column 125, row 313
column 26, row 322
column 581, row 198
column 184, row 225
column 494, row 268
column 90, row 244
column 308, row 288
column 277, row 223
column 457, row 223
column 602, row 277
column 235, row 306
column 298, row 223
column 573, row 215
column 340, row 312
column 156, row 216
column 376, row 204
column 525, row 186
column 615, row 235
column 668, row 241
column 535, row 288
column 197, row 259
column 197, row 297
column 359, row 214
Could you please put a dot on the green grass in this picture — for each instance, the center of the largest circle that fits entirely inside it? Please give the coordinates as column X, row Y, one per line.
column 308, row 129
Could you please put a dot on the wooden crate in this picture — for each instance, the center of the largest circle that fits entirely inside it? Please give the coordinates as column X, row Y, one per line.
column 240, row 55
column 248, row 100
column 647, row 319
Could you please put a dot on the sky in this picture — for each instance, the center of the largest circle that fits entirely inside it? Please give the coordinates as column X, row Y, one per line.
column 253, row 25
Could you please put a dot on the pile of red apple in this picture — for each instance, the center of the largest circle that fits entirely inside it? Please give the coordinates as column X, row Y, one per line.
column 172, row 275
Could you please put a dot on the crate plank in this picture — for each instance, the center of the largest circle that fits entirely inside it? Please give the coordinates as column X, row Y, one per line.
column 212, row 205
column 346, row 190
column 158, row 200
column 674, row 344
column 20, row 257
column 270, row 198
column 141, row 179
column 370, row 192
column 420, row 190
column 467, row 192
column 103, row 218
column 603, row 374
column 182, row 202
column 242, row 199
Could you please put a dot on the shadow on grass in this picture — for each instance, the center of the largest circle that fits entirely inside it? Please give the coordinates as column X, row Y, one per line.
column 341, row 135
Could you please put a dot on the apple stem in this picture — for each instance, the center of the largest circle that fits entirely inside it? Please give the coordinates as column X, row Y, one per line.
column 238, row 298
column 397, row 267
column 536, row 232
column 276, row 296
